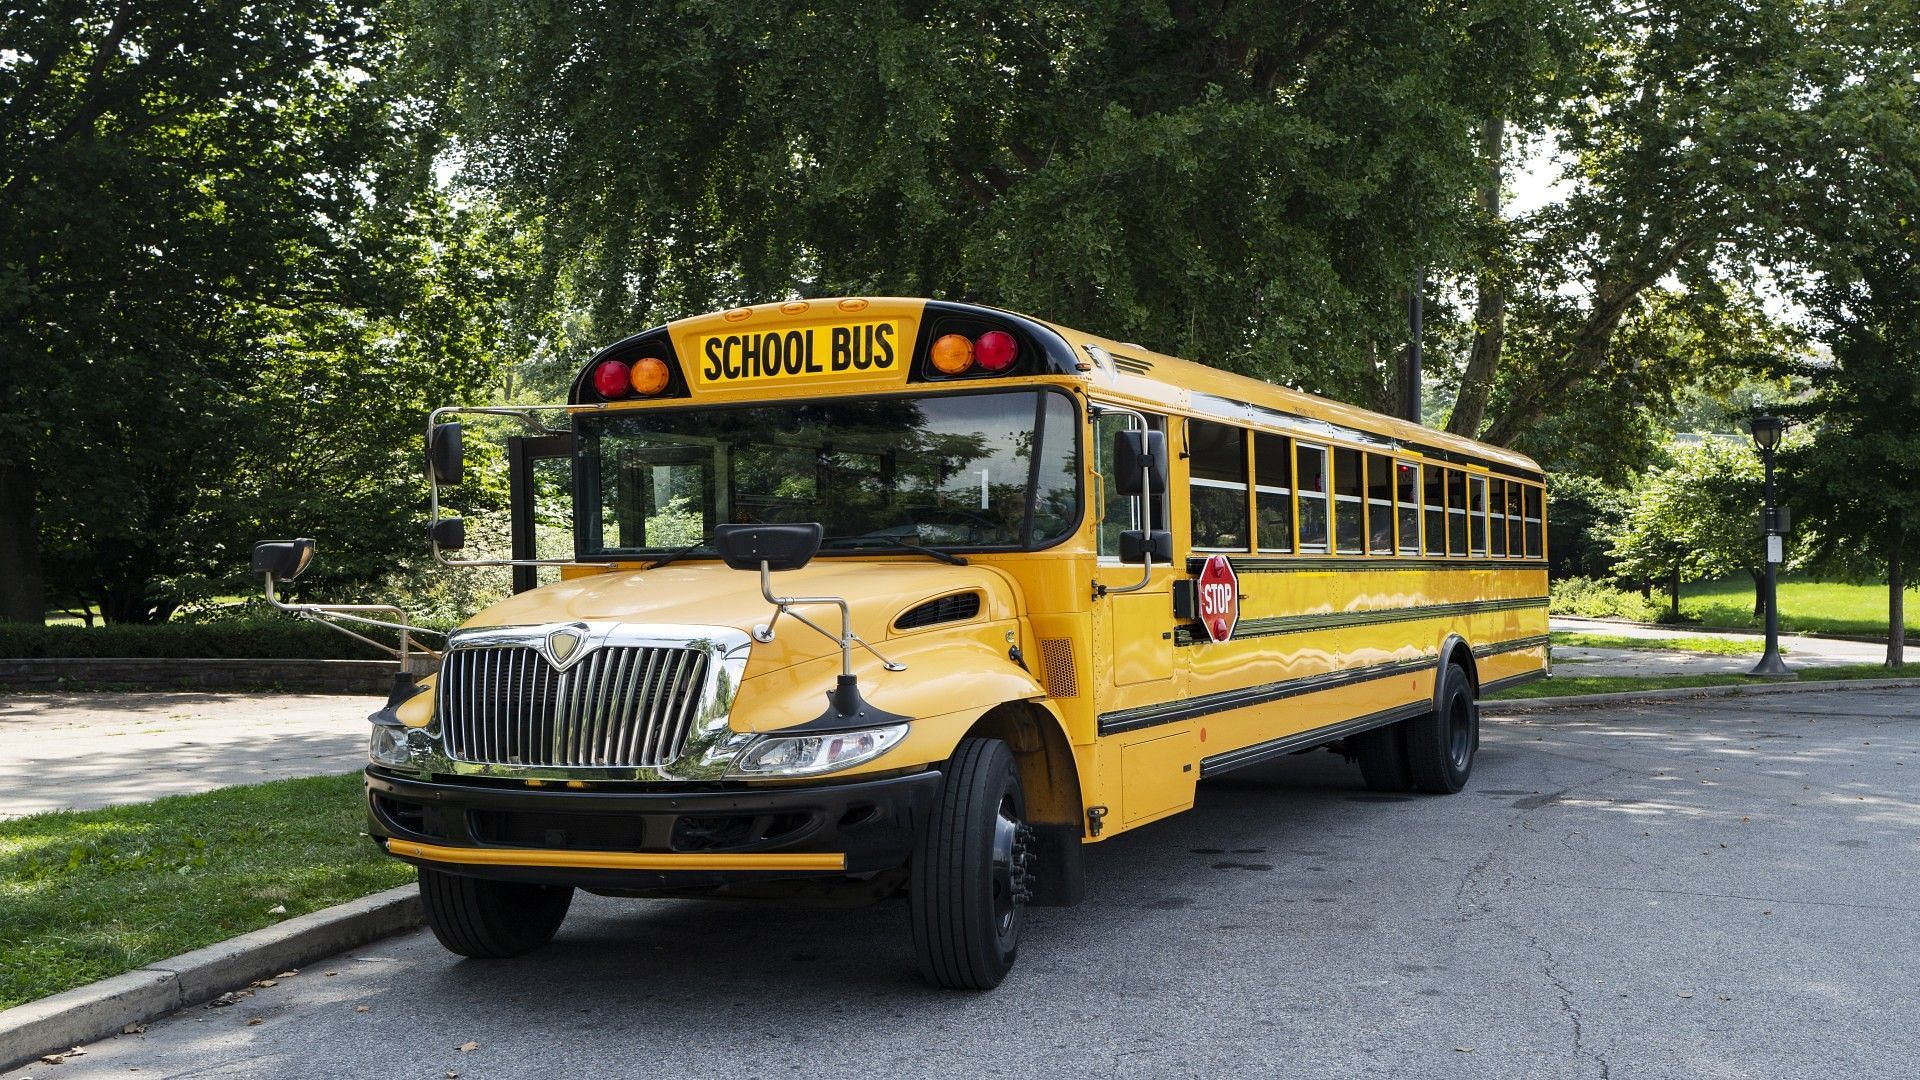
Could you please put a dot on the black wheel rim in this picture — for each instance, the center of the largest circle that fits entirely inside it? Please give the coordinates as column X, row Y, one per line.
column 1009, row 869
column 1460, row 732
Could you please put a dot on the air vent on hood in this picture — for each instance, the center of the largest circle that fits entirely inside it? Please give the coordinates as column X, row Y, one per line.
column 955, row 608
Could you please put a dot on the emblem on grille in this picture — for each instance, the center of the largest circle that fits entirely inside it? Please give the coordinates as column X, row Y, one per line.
column 563, row 646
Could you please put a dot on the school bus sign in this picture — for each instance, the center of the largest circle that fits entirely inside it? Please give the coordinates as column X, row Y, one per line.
column 1218, row 588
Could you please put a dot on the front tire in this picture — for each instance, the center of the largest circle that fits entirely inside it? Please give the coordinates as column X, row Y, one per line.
column 969, row 886
column 491, row 919
column 1441, row 744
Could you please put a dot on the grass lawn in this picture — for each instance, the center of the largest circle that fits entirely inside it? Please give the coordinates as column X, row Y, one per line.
column 1818, row 606
column 1565, row 685
column 89, row 894
column 1702, row 643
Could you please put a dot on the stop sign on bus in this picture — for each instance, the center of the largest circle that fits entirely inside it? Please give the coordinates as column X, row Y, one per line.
column 1217, row 590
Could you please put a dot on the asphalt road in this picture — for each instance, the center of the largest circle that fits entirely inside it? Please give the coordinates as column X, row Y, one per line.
column 1718, row 888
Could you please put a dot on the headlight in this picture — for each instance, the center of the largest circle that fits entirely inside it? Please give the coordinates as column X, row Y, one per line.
column 808, row 755
column 389, row 747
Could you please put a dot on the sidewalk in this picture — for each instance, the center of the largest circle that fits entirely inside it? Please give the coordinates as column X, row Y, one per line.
column 1801, row 652
column 80, row 751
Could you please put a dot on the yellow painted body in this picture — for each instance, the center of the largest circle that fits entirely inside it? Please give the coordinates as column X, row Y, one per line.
column 1083, row 657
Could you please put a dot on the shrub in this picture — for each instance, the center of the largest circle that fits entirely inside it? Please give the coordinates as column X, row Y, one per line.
column 280, row 637
column 1599, row 600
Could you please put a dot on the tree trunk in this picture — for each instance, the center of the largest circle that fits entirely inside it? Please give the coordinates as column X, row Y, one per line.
column 1673, row 586
column 23, row 594
column 1490, row 312
column 1759, row 592
column 1896, row 608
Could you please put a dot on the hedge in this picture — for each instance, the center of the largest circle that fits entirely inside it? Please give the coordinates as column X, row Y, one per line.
column 282, row 638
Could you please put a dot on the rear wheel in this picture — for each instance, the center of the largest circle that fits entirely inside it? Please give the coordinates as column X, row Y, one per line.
column 1441, row 744
column 969, row 885
column 491, row 919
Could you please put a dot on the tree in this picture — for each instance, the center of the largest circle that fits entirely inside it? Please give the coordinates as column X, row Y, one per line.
column 1858, row 479
column 206, row 212
column 1703, row 141
column 1249, row 185
column 1697, row 518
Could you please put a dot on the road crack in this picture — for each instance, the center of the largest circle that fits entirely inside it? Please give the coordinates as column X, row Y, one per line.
column 1568, row 1007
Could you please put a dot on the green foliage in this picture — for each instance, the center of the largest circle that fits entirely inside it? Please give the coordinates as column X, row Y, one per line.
column 1857, row 480
column 1701, row 143
column 92, row 894
column 228, row 292
column 266, row 636
column 1248, row 185
column 1593, row 599
column 1582, row 516
column 1696, row 518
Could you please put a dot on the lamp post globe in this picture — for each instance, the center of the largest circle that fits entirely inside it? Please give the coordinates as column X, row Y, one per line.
column 1766, row 430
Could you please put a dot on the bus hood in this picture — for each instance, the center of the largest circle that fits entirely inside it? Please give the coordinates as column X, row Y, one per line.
column 708, row 593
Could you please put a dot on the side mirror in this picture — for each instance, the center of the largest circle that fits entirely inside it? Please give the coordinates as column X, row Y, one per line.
column 450, row 534
column 1136, row 545
column 284, row 559
column 445, row 456
column 781, row 547
column 1138, row 455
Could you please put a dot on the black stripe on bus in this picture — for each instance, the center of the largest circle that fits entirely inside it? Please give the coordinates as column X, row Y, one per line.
column 1280, row 564
column 1169, row 712
column 1511, row 681
column 1513, row 645
column 1275, row 625
column 1305, row 740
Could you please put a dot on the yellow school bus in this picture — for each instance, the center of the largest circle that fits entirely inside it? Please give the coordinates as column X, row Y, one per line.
column 876, row 596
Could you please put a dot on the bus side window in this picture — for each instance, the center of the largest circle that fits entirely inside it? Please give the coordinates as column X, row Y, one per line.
column 1436, row 497
column 1535, row 546
column 1120, row 513
column 1379, row 505
column 1273, row 490
column 1497, row 527
column 1409, row 507
column 1349, row 528
column 1516, row 522
column 1456, row 513
column 1477, row 510
column 1217, row 490
column 1311, row 480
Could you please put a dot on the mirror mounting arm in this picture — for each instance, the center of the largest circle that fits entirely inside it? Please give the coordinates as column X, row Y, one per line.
column 327, row 614
column 846, row 639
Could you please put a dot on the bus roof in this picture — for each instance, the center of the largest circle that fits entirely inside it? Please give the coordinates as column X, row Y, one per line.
column 1127, row 371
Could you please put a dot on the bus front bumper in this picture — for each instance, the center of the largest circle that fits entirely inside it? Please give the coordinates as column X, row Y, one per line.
column 652, row 839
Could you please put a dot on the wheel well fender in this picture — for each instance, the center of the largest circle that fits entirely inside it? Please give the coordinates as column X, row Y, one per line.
column 1455, row 650
column 1048, row 773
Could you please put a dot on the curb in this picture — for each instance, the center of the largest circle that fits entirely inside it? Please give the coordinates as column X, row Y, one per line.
column 97, row 1010
column 1629, row 697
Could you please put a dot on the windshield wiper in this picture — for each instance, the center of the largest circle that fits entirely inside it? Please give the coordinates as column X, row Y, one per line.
column 889, row 544
column 676, row 554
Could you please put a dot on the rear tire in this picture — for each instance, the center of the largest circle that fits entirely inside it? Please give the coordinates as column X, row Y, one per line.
column 1382, row 754
column 491, row 919
column 1441, row 744
column 969, row 884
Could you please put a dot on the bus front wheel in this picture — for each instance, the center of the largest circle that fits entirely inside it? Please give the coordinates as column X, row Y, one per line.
column 1441, row 744
column 491, row 919
column 969, row 887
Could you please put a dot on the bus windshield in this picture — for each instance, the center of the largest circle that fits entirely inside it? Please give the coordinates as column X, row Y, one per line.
column 997, row 470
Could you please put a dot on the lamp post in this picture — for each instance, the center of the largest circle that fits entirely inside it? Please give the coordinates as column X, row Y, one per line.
column 1767, row 429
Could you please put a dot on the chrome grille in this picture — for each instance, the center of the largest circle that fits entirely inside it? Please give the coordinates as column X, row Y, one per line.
column 619, row 706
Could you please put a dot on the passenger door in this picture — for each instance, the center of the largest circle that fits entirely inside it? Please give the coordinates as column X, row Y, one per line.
column 1135, row 628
